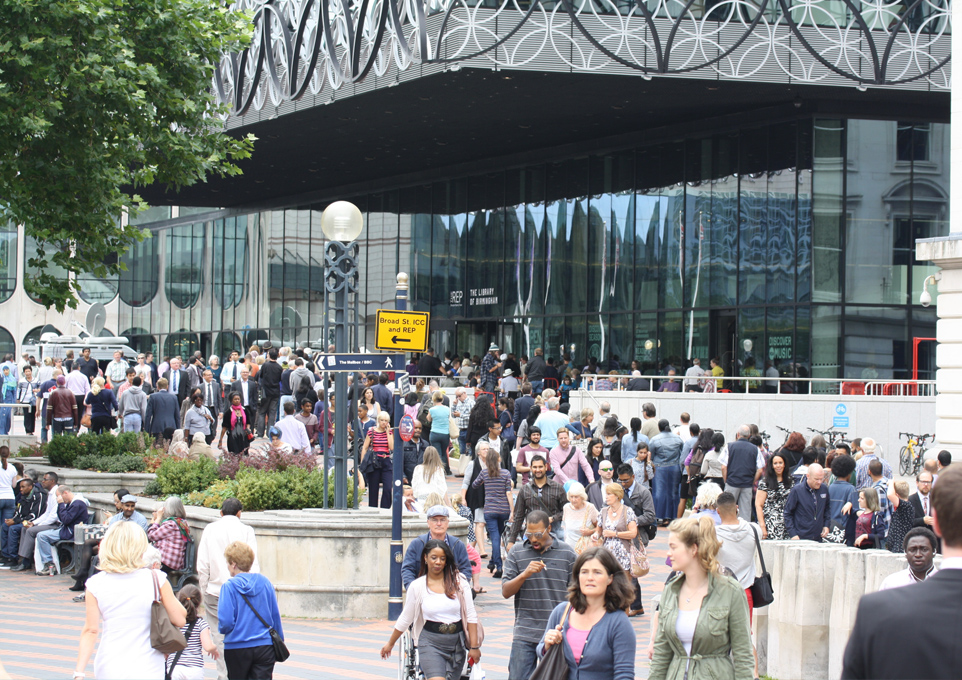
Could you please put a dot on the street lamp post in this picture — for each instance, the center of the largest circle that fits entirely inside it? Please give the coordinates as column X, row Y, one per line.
column 342, row 224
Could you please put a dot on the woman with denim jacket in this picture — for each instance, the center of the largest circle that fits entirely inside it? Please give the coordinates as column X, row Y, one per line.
column 703, row 625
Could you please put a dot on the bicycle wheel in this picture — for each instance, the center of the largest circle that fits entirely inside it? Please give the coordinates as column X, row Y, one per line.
column 905, row 461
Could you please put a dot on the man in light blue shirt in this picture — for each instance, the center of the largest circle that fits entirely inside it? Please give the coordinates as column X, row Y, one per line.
column 550, row 422
column 129, row 513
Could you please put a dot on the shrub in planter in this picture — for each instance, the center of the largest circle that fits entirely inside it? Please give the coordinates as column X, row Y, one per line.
column 132, row 443
column 63, row 450
column 273, row 462
column 110, row 463
column 152, row 488
column 213, row 496
column 181, row 477
column 291, row 489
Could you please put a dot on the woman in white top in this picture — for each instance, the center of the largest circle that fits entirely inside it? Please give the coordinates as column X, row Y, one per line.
column 121, row 595
column 428, row 477
column 440, row 607
column 579, row 518
column 367, row 398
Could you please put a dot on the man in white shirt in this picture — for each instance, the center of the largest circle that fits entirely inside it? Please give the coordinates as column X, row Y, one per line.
column 143, row 370
column 920, row 547
column 231, row 370
column 212, row 569
column 292, row 430
column 692, row 376
column 683, row 430
column 117, row 369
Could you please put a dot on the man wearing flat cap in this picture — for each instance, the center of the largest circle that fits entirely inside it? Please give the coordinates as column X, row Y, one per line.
column 128, row 513
column 490, row 369
column 438, row 518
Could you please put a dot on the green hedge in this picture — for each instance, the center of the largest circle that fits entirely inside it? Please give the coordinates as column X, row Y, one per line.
column 182, row 477
column 64, row 450
column 111, row 463
column 290, row 489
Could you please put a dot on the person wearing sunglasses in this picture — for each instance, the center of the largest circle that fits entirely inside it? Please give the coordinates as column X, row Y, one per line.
column 536, row 574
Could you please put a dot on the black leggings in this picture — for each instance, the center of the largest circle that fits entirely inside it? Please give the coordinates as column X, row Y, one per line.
column 100, row 423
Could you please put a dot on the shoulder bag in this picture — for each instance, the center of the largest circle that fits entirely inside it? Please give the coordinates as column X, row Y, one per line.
column 585, row 541
column 164, row 636
column 170, row 671
column 281, row 652
column 762, row 592
column 453, row 430
column 554, row 665
column 637, row 554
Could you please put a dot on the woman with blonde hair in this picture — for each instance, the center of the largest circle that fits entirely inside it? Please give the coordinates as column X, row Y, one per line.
column 703, row 629
column 121, row 595
column 378, row 443
column 428, row 477
column 579, row 518
column 102, row 404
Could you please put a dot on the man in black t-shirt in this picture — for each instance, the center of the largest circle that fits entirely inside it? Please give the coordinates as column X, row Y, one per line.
column 429, row 365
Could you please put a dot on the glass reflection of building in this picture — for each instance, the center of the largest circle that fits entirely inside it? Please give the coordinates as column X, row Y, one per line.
column 796, row 236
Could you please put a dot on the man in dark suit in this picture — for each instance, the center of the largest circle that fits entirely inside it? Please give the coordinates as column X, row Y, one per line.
column 523, row 405
column 213, row 400
column 269, row 383
column 248, row 390
column 638, row 383
column 928, row 647
column 178, row 380
column 163, row 412
column 922, row 500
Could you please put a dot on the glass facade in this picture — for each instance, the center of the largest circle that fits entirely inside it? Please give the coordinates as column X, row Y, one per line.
column 791, row 242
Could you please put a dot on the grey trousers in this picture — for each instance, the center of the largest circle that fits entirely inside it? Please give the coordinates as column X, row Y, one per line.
column 29, row 538
column 743, row 496
column 210, row 615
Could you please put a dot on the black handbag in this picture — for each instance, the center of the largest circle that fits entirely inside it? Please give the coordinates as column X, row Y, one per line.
column 762, row 592
column 554, row 665
column 281, row 652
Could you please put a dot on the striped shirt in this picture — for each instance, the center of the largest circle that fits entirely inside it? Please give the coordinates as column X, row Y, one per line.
column 193, row 656
column 541, row 592
column 495, row 492
column 379, row 442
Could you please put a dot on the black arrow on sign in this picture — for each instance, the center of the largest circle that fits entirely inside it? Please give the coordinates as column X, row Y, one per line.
column 396, row 339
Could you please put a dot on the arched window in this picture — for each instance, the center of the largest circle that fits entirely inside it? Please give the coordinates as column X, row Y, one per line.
column 8, row 261
column 93, row 289
column 138, row 285
column 230, row 260
column 181, row 344
column 141, row 340
column 7, row 345
column 226, row 343
column 30, row 250
column 33, row 335
column 184, row 275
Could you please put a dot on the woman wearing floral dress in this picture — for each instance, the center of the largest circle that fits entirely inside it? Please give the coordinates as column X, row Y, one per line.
column 770, row 499
column 617, row 526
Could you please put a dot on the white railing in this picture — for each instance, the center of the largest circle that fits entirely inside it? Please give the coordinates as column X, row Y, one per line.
column 777, row 387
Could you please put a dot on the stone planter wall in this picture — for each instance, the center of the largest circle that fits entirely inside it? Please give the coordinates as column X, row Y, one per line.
column 803, row 633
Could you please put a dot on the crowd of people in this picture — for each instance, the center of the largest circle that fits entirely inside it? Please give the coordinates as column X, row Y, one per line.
column 561, row 503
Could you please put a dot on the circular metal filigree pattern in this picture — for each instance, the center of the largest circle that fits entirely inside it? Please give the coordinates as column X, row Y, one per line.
column 303, row 47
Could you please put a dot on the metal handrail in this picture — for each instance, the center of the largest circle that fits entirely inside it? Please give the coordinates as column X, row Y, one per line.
column 827, row 386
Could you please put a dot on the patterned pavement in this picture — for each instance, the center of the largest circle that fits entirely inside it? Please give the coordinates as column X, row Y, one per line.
column 42, row 626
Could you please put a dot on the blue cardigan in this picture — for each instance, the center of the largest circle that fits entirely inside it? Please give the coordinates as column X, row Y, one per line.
column 609, row 652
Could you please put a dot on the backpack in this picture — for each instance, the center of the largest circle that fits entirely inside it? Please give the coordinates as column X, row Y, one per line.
column 697, row 458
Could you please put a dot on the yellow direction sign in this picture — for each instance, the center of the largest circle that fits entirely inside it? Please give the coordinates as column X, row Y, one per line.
column 402, row 331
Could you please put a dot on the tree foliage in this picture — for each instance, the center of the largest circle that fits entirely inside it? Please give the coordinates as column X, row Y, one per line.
column 98, row 98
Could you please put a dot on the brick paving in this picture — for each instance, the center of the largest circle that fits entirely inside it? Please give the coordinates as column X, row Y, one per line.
column 42, row 626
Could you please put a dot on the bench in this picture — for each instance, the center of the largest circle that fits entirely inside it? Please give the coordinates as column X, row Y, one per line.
column 63, row 552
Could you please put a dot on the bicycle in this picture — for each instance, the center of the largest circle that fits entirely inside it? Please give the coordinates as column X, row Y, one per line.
column 910, row 455
column 833, row 436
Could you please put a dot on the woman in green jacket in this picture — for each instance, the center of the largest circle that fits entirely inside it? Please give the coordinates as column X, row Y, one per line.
column 703, row 629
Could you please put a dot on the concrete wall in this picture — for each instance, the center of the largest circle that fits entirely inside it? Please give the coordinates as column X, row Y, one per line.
column 879, row 417
column 328, row 564
column 803, row 633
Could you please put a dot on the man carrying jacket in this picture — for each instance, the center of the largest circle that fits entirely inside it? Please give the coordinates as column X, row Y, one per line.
column 806, row 509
